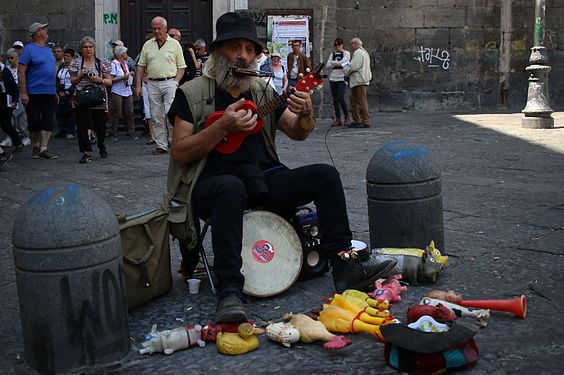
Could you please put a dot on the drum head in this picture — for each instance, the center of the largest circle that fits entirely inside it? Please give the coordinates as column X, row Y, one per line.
column 272, row 254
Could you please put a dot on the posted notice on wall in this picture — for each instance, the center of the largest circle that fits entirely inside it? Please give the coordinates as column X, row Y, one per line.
column 282, row 30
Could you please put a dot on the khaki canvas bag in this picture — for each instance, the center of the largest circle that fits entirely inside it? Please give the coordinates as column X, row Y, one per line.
column 146, row 256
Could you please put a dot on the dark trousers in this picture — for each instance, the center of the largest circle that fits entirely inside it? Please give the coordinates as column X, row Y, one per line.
column 7, row 127
column 338, row 93
column 65, row 118
column 224, row 199
column 40, row 111
column 94, row 119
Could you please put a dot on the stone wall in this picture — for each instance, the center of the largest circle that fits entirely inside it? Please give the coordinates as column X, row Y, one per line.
column 426, row 54
column 69, row 20
column 439, row 54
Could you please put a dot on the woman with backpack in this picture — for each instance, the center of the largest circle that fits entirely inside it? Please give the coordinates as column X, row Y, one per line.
column 90, row 76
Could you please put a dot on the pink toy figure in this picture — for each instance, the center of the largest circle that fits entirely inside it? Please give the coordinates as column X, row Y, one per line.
column 388, row 290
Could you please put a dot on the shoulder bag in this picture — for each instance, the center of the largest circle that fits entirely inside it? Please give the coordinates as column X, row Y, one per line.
column 91, row 95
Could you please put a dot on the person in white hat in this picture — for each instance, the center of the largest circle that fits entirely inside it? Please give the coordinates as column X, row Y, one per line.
column 37, row 81
column 18, row 45
column 122, row 96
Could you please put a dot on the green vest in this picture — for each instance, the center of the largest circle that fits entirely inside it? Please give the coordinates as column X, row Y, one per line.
column 181, row 180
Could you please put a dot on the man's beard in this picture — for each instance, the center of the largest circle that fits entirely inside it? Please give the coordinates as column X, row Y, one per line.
column 217, row 67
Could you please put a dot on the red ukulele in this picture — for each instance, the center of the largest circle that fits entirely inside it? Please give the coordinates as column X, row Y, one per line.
column 233, row 141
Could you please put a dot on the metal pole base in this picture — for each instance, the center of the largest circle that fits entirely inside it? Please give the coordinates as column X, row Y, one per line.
column 537, row 122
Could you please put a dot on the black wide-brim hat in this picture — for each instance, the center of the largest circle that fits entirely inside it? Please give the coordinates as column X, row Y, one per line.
column 236, row 26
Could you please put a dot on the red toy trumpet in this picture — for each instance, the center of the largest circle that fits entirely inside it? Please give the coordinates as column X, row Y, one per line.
column 517, row 305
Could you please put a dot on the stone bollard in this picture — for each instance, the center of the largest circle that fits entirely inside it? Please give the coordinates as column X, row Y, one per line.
column 405, row 206
column 67, row 252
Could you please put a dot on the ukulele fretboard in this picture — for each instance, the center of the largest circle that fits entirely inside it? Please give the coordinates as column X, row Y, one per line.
column 271, row 105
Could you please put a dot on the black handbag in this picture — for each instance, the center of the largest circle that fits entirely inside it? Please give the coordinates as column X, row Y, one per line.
column 91, row 95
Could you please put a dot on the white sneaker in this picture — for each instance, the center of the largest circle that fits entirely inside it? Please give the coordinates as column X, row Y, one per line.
column 26, row 141
column 7, row 142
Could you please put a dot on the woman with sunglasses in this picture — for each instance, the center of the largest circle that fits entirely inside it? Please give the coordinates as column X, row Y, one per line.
column 335, row 64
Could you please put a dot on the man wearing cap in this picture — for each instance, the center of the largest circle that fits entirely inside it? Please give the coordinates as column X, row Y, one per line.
column 37, row 81
column 162, row 58
column 208, row 184
column 18, row 45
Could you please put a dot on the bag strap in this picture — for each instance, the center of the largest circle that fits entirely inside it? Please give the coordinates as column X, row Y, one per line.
column 97, row 65
column 142, row 262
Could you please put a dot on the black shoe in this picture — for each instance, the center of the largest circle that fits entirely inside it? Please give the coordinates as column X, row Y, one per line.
column 359, row 126
column 61, row 135
column 86, row 158
column 359, row 274
column 103, row 154
column 231, row 310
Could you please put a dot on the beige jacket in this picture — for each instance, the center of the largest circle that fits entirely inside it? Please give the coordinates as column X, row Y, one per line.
column 359, row 69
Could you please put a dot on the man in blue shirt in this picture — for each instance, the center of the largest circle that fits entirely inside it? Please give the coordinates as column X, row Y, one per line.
column 36, row 74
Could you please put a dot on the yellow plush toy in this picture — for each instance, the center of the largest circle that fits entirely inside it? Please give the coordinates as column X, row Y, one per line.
column 242, row 342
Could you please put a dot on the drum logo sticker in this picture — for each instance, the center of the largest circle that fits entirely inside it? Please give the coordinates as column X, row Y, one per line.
column 263, row 251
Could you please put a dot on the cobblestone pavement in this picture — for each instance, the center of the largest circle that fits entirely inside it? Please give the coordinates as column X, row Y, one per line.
column 503, row 194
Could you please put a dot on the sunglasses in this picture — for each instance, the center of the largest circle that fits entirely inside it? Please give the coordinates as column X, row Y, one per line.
column 173, row 35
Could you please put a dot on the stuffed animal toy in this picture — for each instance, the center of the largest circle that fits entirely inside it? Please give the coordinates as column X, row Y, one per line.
column 284, row 333
column 439, row 312
column 389, row 289
column 170, row 341
column 415, row 265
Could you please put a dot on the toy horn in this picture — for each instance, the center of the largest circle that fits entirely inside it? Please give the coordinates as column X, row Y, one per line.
column 517, row 305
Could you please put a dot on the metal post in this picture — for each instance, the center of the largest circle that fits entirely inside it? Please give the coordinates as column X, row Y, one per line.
column 537, row 111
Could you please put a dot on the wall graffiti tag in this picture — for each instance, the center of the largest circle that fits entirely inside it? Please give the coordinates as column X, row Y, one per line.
column 258, row 17
column 111, row 18
column 434, row 57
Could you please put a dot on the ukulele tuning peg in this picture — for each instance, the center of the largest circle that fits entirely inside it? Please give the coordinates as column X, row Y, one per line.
column 310, row 92
column 301, row 75
column 308, row 70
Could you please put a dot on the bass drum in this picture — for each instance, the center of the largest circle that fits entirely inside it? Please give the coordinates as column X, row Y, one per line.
column 272, row 254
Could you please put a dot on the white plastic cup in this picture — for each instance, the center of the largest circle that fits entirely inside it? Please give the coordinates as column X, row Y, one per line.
column 193, row 285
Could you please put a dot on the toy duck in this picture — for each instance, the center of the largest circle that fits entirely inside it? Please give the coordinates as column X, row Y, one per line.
column 242, row 342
